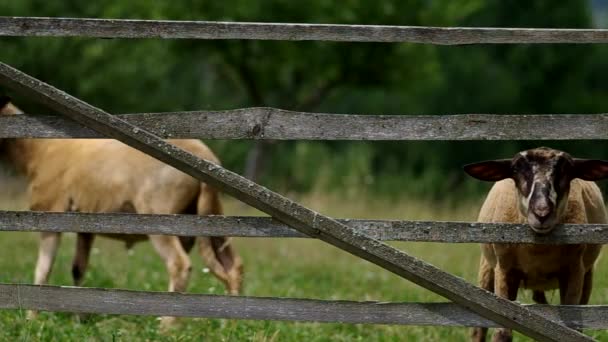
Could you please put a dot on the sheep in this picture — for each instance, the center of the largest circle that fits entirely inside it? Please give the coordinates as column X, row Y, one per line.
column 104, row 175
column 543, row 187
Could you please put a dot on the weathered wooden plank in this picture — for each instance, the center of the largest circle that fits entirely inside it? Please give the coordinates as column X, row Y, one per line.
column 253, row 226
column 125, row 302
column 307, row 221
column 166, row 29
column 277, row 124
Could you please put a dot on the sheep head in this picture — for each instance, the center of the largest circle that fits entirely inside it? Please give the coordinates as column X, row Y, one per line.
column 542, row 177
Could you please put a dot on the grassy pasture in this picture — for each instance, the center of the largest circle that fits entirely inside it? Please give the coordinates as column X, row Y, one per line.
column 274, row 267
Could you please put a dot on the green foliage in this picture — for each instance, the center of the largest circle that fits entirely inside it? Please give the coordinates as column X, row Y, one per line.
column 367, row 78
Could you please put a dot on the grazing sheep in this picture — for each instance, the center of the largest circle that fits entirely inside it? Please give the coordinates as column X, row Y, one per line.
column 543, row 187
column 102, row 176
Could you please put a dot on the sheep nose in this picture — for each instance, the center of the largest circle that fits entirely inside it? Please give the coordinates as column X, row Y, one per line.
column 542, row 212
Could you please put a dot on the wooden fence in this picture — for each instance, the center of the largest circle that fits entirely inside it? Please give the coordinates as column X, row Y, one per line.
column 272, row 123
column 473, row 306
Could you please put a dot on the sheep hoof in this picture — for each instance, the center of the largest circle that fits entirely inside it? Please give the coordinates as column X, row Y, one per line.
column 479, row 335
column 502, row 335
column 83, row 318
column 168, row 324
column 31, row 315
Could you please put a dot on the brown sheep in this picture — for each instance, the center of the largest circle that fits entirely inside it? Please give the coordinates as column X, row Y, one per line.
column 102, row 176
column 543, row 187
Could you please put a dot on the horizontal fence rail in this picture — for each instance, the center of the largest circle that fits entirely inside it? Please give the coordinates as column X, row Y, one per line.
column 253, row 226
column 110, row 301
column 167, row 29
column 272, row 123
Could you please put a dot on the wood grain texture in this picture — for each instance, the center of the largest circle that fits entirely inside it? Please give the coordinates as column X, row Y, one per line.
column 309, row 222
column 277, row 124
column 165, row 29
column 111, row 301
column 252, row 226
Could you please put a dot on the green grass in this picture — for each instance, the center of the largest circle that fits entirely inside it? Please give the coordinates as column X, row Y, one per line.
column 274, row 267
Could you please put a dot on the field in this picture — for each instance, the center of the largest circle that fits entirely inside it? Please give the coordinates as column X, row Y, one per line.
column 274, row 267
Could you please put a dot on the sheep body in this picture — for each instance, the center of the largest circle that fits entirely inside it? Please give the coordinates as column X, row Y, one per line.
column 541, row 264
column 63, row 173
column 539, row 267
column 104, row 175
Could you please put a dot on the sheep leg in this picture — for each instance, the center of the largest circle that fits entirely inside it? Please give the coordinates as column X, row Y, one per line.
column 84, row 242
column 47, row 250
column 571, row 286
column 218, row 252
column 49, row 243
column 486, row 282
column 506, row 284
column 178, row 266
column 587, row 286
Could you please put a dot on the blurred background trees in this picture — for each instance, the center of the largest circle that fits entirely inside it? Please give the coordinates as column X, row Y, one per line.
column 124, row 76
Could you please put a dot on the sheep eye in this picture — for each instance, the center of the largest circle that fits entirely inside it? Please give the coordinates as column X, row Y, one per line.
column 517, row 167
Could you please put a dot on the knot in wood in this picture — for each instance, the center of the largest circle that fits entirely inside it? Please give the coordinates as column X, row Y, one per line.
column 256, row 131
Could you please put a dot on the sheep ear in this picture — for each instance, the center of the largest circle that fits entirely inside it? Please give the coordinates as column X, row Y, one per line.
column 491, row 170
column 4, row 100
column 590, row 169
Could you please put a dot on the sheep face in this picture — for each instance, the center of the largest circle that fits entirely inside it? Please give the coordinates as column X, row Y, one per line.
column 542, row 177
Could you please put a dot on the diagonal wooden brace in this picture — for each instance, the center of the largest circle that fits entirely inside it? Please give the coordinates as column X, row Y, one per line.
column 309, row 222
